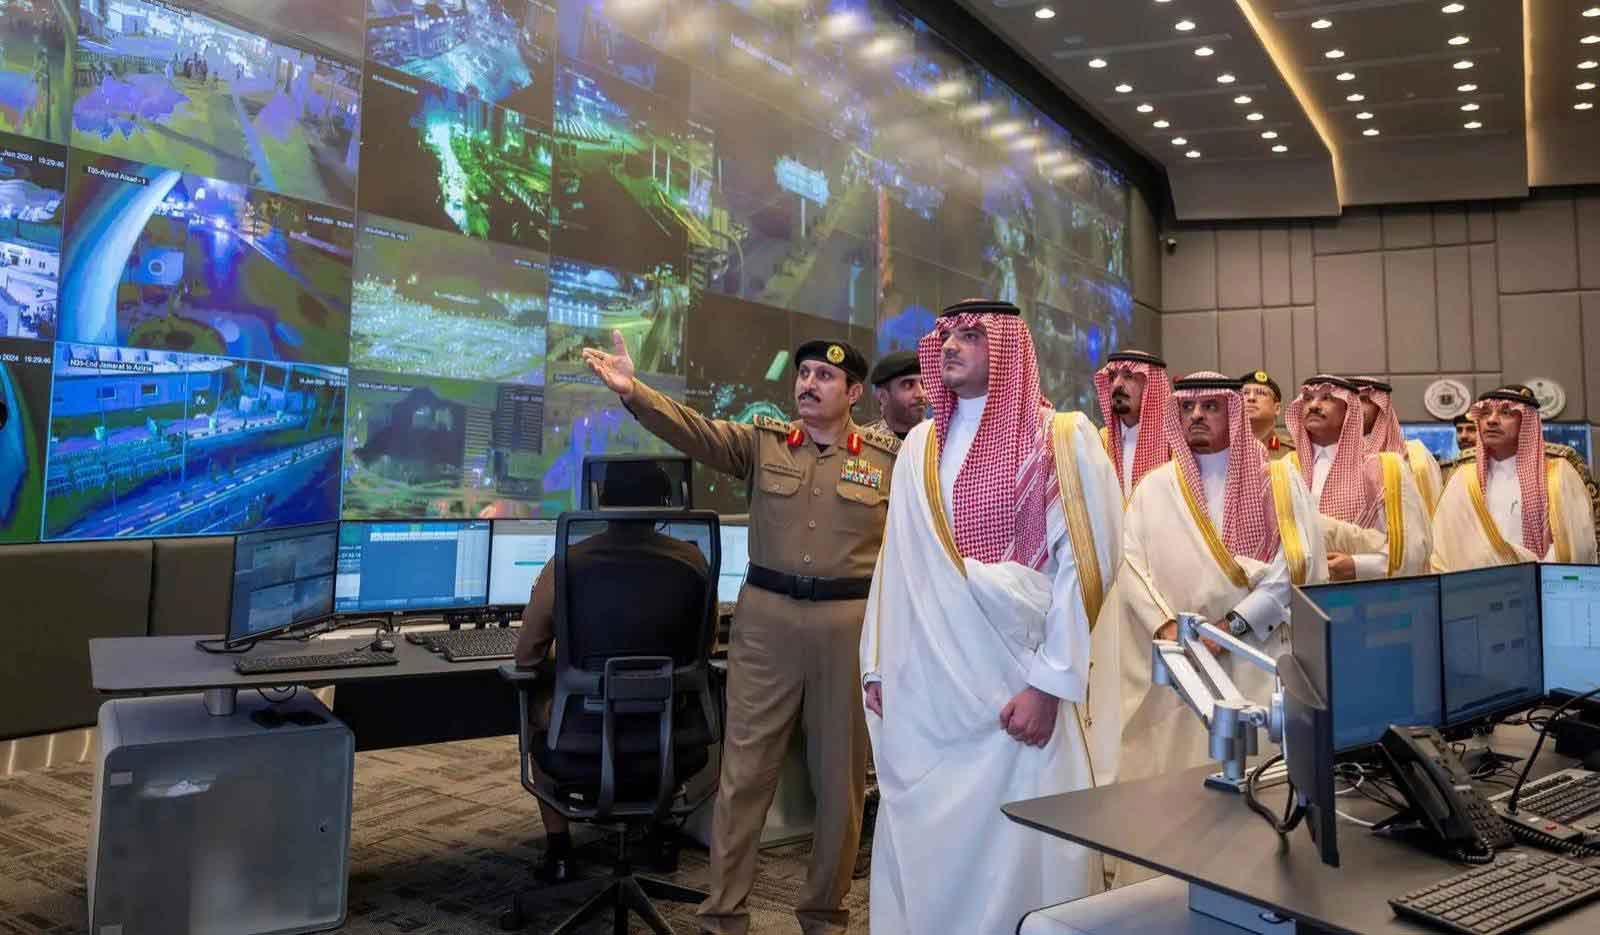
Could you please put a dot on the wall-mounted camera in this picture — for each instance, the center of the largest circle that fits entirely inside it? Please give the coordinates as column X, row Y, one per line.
column 1171, row 243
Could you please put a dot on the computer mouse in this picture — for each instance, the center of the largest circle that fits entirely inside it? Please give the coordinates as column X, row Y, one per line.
column 382, row 644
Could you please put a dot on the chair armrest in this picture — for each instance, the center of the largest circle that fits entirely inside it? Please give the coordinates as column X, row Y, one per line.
column 517, row 676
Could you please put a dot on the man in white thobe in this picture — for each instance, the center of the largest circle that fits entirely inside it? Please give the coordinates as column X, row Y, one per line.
column 1513, row 503
column 1374, row 520
column 1381, row 425
column 1218, row 531
column 975, row 652
column 1135, row 393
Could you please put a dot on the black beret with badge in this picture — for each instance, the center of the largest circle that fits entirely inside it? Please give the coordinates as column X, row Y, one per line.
column 1261, row 378
column 893, row 366
column 838, row 353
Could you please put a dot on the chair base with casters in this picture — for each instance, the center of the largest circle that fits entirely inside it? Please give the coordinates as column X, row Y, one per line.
column 622, row 893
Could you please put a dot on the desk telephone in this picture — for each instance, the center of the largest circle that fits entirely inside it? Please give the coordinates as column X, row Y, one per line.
column 1440, row 793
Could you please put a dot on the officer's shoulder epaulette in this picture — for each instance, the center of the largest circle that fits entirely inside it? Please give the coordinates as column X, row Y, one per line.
column 771, row 424
column 880, row 439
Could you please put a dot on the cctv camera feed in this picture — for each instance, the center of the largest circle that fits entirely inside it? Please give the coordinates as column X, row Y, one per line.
column 24, row 422
column 432, row 303
column 501, row 51
column 159, row 443
column 455, row 162
column 589, row 303
column 35, row 68
column 165, row 260
column 158, row 83
column 441, row 448
column 274, row 262
column 33, row 178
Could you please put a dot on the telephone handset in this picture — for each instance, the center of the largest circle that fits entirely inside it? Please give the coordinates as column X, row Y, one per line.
column 1440, row 792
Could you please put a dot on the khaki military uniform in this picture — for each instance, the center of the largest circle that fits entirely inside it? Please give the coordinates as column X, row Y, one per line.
column 791, row 662
column 1278, row 446
column 881, row 427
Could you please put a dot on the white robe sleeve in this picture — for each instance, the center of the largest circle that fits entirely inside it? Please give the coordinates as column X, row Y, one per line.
column 1267, row 604
column 1060, row 665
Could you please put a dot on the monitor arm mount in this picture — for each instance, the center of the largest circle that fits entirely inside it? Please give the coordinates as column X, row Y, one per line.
column 1187, row 666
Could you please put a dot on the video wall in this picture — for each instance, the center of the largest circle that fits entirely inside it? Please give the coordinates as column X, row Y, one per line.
column 266, row 262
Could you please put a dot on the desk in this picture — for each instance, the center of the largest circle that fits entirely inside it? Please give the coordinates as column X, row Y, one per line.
column 1213, row 840
column 421, row 699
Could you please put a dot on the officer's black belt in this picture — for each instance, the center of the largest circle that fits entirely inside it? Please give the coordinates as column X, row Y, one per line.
column 807, row 587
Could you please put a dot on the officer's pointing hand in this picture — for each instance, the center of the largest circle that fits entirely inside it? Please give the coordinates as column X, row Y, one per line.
column 614, row 369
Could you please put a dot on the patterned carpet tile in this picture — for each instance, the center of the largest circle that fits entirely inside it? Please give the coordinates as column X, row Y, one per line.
column 441, row 837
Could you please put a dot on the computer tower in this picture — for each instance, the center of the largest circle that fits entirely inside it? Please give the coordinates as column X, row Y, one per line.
column 236, row 825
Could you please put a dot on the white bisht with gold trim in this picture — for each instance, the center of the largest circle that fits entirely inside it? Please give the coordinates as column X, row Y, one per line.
column 952, row 641
column 1174, row 562
column 1465, row 534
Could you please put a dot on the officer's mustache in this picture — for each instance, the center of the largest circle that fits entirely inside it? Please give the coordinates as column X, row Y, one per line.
column 811, row 396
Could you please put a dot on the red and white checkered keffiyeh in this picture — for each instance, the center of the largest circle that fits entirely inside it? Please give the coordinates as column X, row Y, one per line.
column 1155, row 411
column 1008, row 481
column 1530, row 472
column 1247, row 506
column 1348, row 494
column 1386, row 434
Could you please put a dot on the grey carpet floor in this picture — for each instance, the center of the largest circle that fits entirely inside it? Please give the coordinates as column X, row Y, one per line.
column 441, row 836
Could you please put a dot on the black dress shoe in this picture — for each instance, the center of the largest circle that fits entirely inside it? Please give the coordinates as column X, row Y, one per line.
column 556, row 869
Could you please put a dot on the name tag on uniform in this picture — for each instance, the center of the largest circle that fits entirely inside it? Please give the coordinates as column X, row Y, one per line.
column 864, row 472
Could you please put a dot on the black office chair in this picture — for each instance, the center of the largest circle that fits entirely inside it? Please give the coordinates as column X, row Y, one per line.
column 678, row 469
column 633, row 717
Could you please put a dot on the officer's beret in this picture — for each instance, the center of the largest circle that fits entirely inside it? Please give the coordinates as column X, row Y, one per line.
column 838, row 353
column 894, row 365
column 1260, row 378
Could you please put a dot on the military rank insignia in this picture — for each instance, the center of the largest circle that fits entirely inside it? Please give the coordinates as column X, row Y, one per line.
column 862, row 471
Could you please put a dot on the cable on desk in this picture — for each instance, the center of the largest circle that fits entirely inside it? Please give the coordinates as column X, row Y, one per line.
column 1354, row 820
column 1292, row 810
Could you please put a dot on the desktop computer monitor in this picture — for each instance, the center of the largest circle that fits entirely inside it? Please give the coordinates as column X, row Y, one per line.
column 399, row 567
column 282, row 579
column 735, row 561
column 1569, row 600
column 518, row 552
column 1383, row 656
column 1493, row 658
column 1308, row 722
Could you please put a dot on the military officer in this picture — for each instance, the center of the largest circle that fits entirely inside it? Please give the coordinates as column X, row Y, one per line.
column 1262, row 401
column 819, row 498
column 897, row 384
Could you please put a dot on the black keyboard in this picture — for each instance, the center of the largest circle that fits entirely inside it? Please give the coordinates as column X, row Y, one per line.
column 462, row 645
column 1568, row 797
column 1510, row 895
column 301, row 662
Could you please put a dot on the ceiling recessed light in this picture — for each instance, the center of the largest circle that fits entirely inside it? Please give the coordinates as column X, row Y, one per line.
column 1145, row 108
column 1585, row 66
column 1585, row 86
column 1582, row 105
column 1044, row 12
column 1124, row 88
column 1242, row 99
column 1097, row 63
column 1469, row 108
column 1466, row 88
column 1463, row 65
column 1370, row 131
column 1472, row 125
column 1161, row 124
column 1253, row 115
column 1193, row 154
column 1179, row 141
column 1592, row 12
column 1269, row 134
column 1280, row 148
column 1364, row 115
column 1183, row 25
column 1355, row 98
column 1452, row 8
column 1321, row 23
column 1458, row 40
column 1346, row 76
column 1226, row 78
column 1009, row 128
column 1204, row 51
column 1333, row 53
column 1589, row 40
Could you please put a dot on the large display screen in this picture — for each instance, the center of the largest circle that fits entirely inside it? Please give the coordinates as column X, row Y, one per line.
column 276, row 262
